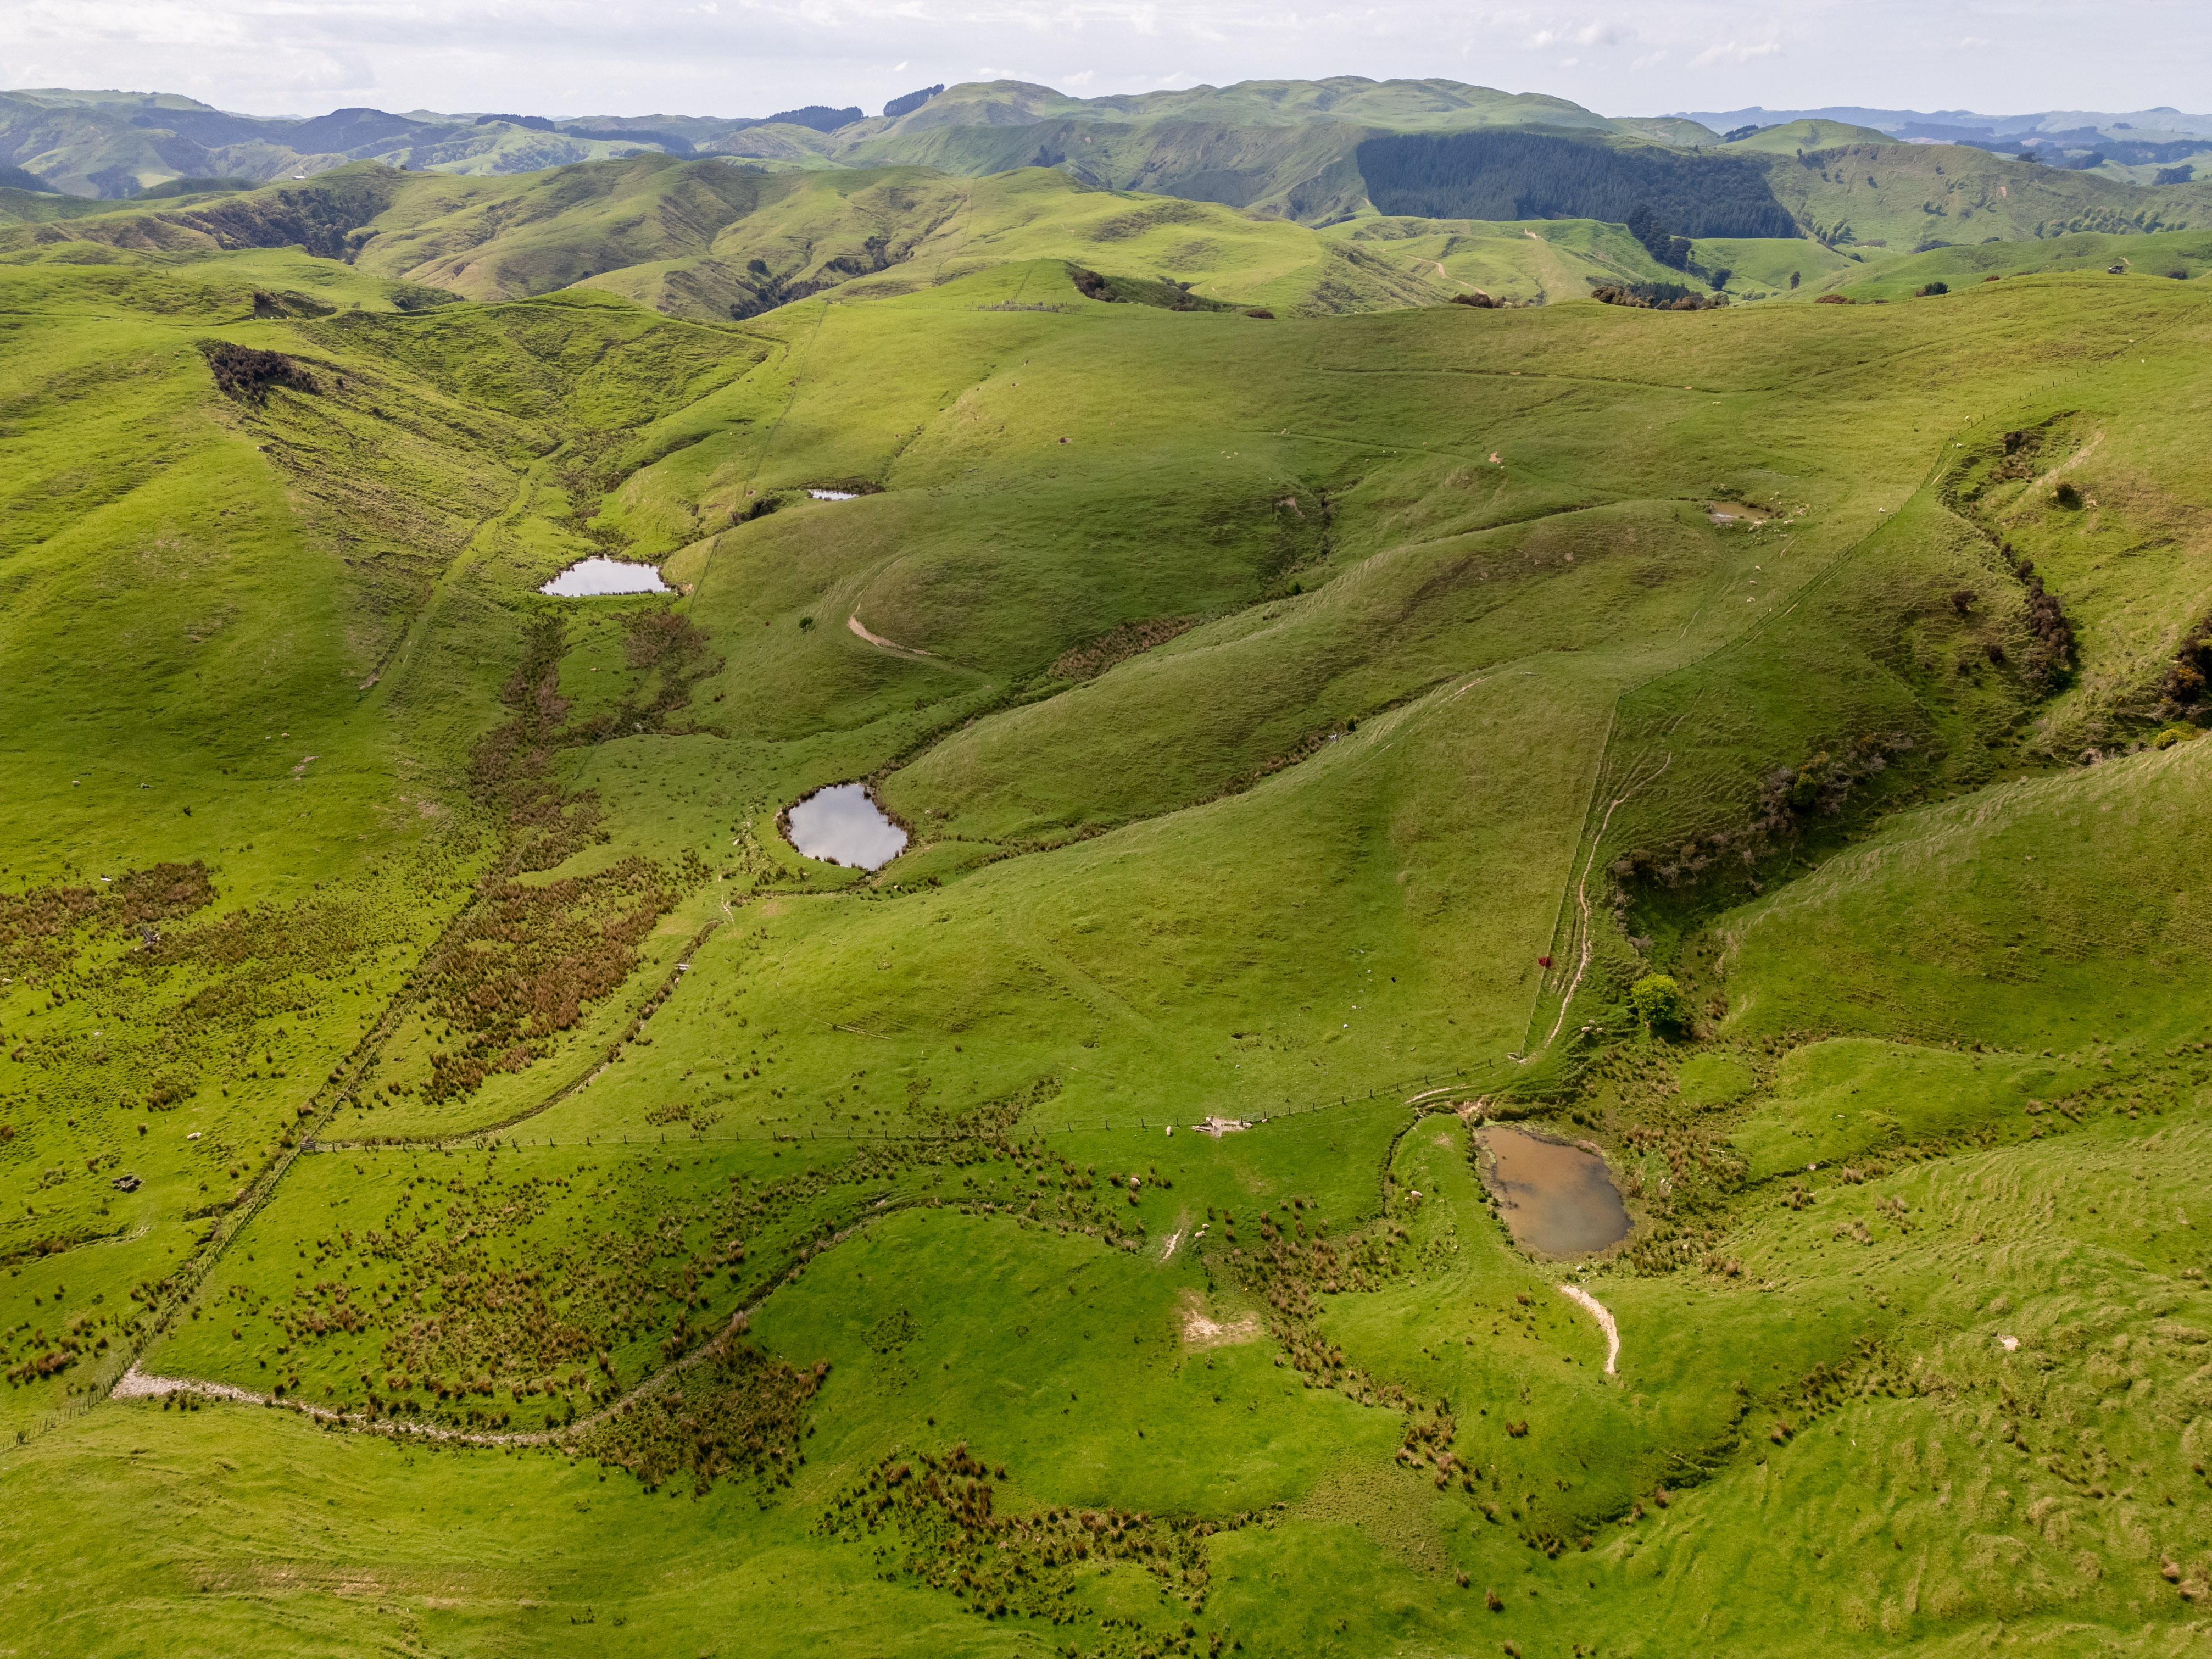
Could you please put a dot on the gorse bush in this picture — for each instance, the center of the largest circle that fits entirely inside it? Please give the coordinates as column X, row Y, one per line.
column 249, row 376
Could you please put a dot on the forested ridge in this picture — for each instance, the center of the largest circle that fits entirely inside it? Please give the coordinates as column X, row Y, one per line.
column 1527, row 175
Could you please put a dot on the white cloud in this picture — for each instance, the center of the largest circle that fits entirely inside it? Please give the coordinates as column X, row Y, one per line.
column 1735, row 52
column 1080, row 80
column 1589, row 34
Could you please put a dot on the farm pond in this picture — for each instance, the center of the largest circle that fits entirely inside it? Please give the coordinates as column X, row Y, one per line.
column 589, row 577
column 1558, row 1200
column 842, row 824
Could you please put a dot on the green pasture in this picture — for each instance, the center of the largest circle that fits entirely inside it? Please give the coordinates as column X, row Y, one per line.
column 1307, row 729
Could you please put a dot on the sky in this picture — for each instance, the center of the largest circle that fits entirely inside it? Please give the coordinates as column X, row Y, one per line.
column 754, row 57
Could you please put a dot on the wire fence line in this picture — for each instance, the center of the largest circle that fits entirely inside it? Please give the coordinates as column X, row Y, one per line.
column 1424, row 1088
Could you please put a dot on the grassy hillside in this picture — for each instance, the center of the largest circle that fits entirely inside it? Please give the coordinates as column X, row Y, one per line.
column 117, row 145
column 1905, row 197
column 114, row 145
column 1307, row 728
column 708, row 240
column 1406, row 105
column 1566, row 258
column 1304, row 171
column 1286, row 149
column 2177, row 254
column 1793, row 138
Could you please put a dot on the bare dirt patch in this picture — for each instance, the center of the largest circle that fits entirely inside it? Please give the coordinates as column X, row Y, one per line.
column 861, row 629
column 1603, row 1315
column 1202, row 1330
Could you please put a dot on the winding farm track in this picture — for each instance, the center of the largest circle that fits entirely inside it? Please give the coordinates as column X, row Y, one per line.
column 1603, row 1315
column 1583, row 937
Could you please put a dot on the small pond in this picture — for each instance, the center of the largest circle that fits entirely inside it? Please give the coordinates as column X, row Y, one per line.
column 1558, row 1200
column 605, row 575
column 842, row 824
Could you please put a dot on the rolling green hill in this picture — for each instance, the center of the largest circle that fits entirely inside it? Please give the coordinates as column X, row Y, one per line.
column 115, row 144
column 1282, row 148
column 1401, row 106
column 706, row 239
column 1906, row 196
column 475, row 1186
column 1794, row 138
column 2179, row 254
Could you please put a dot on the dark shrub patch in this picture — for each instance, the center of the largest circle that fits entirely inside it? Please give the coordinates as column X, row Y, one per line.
column 248, row 375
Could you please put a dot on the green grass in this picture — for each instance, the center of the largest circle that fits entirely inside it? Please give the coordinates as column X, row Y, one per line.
column 2173, row 255
column 1258, row 743
column 1865, row 196
column 2068, row 907
column 711, row 239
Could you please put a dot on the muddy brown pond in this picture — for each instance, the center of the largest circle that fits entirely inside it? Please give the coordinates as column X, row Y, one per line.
column 1558, row 1200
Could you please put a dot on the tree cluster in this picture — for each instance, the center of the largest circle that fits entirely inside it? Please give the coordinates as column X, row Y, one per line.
column 1505, row 174
column 1661, row 244
column 1656, row 296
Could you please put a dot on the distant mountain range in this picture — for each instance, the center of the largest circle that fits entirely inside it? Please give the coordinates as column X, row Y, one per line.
column 1281, row 148
column 2083, row 139
column 1912, row 124
column 114, row 145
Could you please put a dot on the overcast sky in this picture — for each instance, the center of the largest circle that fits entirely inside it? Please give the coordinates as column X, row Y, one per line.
column 754, row 57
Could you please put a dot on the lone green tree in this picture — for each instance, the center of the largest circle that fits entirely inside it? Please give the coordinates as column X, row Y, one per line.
column 1656, row 1001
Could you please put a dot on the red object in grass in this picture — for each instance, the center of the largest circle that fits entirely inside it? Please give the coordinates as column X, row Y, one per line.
column 1543, row 962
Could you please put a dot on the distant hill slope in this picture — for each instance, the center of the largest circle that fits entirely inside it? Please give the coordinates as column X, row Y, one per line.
column 2164, row 121
column 1304, row 172
column 1788, row 137
column 1433, row 104
column 709, row 241
column 1288, row 150
column 2182, row 255
column 112, row 145
column 29, row 207
column 1909, row 196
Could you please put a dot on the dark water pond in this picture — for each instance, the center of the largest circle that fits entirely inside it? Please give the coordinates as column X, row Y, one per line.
column 1558, row 1200
column 842, row 824
column 603, row 576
